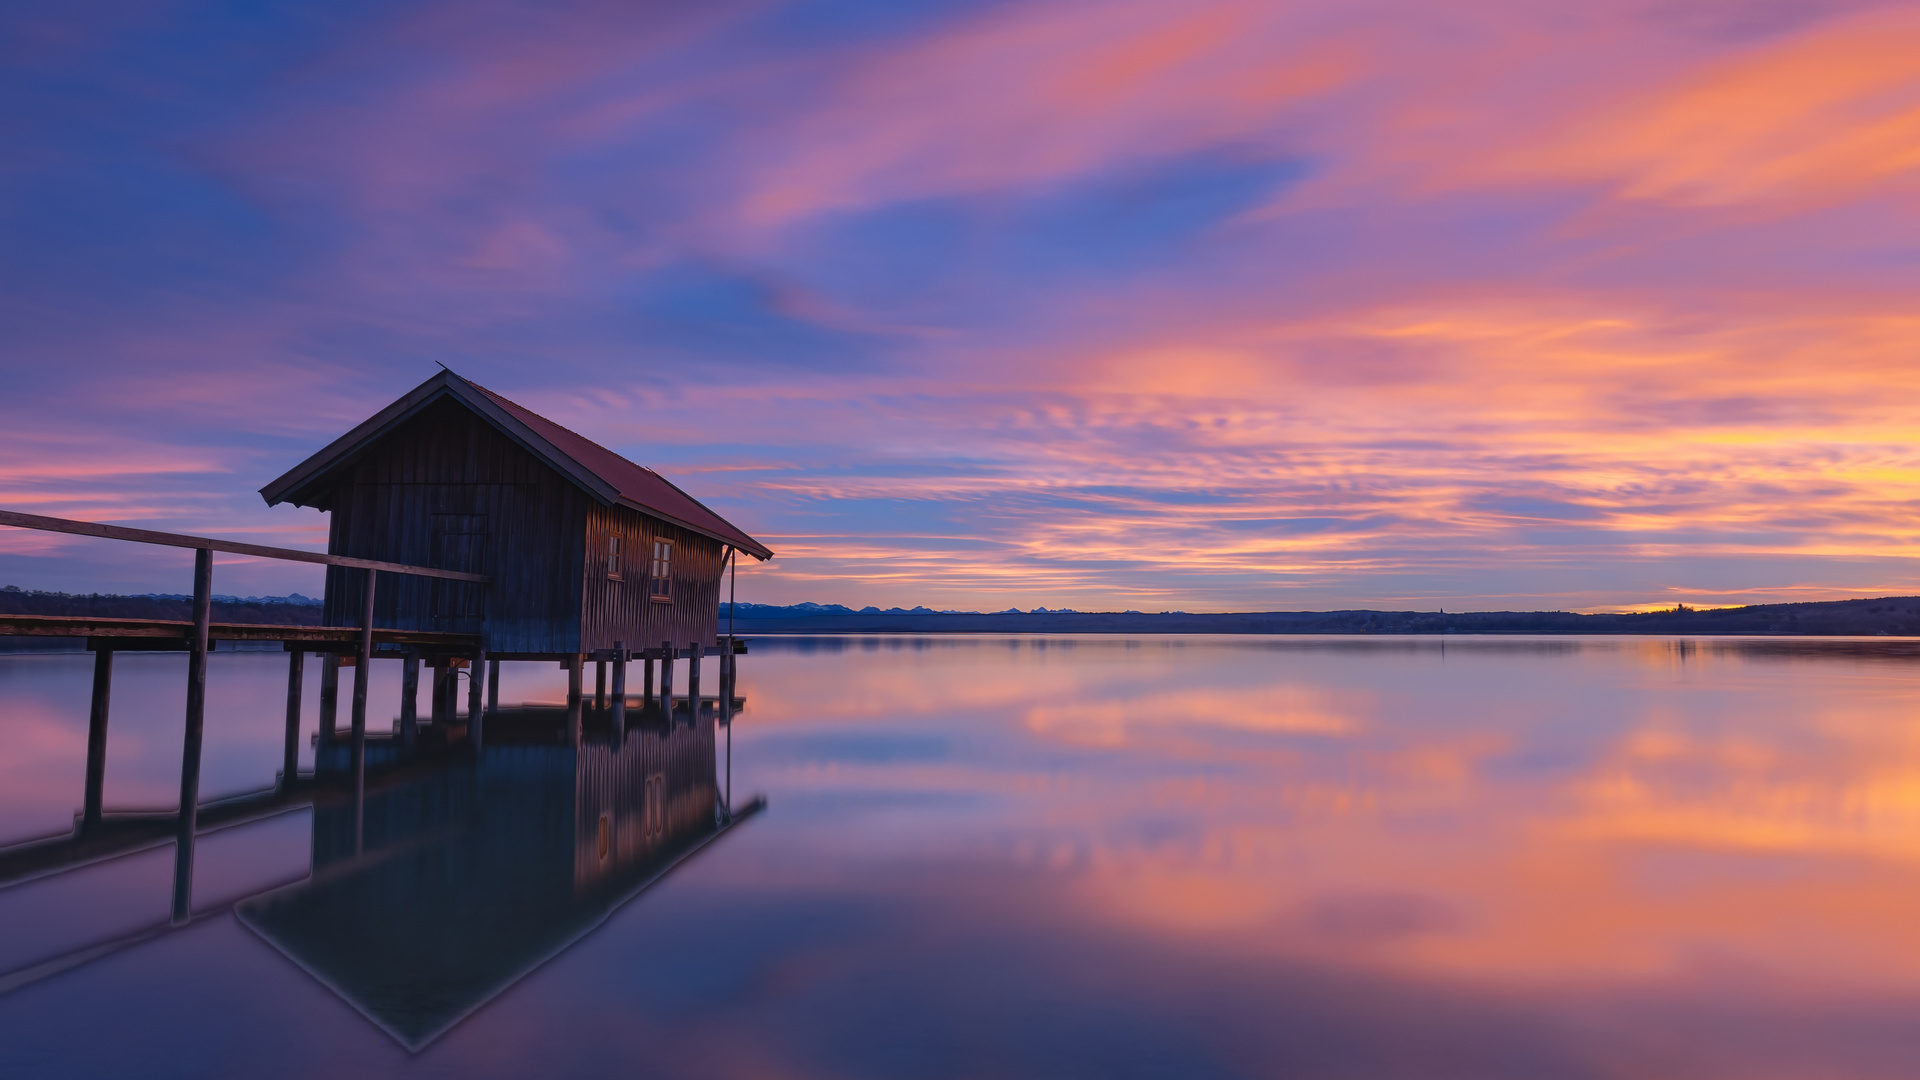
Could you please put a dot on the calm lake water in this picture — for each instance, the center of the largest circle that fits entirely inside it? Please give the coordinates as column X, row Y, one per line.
column 1029, row 857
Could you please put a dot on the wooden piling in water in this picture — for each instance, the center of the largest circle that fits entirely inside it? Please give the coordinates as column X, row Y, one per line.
column 599, row 685
column 475, row 677
column 573, row 700
column 693, row 682
column 646, row 682
column 493, row 685
column 190, row 745
column 409, row 699
column 666, row 680
column 363, row 660
column 329, row 700
column 619, row 691
column 440, row 699
column 97, row 738
column 290, row 757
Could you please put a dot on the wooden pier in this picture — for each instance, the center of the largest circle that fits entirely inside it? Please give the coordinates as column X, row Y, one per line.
column 501, row 535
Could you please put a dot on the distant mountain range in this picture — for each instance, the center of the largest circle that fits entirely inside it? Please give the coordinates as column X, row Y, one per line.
column 1891, row 615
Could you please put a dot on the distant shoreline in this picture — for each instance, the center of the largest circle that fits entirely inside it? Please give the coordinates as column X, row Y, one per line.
column 1888, row 616
column 1897, row 616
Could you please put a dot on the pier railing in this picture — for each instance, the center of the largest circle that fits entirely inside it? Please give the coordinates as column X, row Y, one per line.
column 203, row 548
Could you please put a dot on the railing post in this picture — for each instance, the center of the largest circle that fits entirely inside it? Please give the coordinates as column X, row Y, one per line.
column 296, row 680
column 189, row 817
column 97, row 737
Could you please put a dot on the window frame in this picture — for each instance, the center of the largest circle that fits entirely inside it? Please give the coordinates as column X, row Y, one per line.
column 616, row 568
column 660, row 572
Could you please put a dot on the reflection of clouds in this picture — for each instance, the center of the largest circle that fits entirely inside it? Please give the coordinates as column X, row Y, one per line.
column 1517, row 811
column 1299, row 710
column 1732, row 792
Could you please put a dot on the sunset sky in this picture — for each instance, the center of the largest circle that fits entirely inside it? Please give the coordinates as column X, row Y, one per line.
column 1128, row 304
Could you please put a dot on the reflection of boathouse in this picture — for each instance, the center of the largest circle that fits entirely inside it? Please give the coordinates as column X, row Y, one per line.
column 442, row 891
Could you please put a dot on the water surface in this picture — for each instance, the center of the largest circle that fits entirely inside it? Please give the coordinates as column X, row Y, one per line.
column 1056, row 857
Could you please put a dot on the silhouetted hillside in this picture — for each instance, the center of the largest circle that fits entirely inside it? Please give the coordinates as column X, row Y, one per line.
column 1894, row 615
column 271, row 610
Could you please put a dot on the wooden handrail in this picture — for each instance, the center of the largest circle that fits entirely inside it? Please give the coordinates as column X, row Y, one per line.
column 203, row 543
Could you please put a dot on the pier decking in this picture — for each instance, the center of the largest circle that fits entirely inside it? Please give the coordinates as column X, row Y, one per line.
column 168, row 634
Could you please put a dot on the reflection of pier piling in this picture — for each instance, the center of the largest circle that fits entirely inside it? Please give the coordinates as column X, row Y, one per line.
column 616, row 751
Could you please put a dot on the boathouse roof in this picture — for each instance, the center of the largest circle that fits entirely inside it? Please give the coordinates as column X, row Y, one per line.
column 605, row 475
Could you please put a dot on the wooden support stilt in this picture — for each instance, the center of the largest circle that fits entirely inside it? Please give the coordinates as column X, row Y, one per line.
column 646, row 682
column 573, row 700
column 97, row 738
column 476, row 678
column 599, row 685
column 727, row 673
column 493, row 685
column 666, row 680
column 619, row 692
column 362, row 665
column 693, row 682
column 189, row 816
column 290, row 758
column 329, row 700
column 409, row 700
column 442, row 698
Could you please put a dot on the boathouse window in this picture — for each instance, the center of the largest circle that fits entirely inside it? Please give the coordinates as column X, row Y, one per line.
column 662, row 575
column 613, row 559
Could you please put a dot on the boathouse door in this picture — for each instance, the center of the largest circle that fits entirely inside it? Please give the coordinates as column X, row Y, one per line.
column 459, row 543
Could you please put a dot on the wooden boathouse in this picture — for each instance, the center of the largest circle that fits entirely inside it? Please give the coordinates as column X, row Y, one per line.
column 465, row 530
column 588, row 556
column 586, row 550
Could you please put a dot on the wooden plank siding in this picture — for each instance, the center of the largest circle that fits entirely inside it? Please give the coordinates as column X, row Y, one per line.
column 623, row 611
column 448, row 490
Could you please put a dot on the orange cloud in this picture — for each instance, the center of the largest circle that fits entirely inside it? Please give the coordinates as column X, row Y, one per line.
column 1819, row 117
column 1045, row 92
